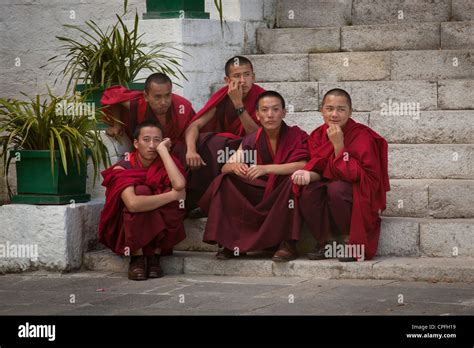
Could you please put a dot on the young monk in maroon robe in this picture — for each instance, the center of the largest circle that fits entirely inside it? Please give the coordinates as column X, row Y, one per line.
column 157, row 102
column 345, row 182
column 224, row 120
column 143, row 212
column 250, row 205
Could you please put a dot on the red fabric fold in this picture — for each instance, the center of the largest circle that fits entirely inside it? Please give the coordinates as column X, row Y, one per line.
column 363, row 162
column 121, row 230
column 235, row 128
column 178, row 117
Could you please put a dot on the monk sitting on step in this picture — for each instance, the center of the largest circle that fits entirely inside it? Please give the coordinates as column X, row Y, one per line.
column 344, row 185
column 250, row 205
column 144, row 207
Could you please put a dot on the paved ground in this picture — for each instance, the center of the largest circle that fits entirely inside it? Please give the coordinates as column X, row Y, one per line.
column 99, row 293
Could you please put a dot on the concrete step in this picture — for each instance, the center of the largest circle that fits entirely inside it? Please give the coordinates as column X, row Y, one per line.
column 399, row 236
column 400, row 11
column 378, row 37
column 403, row 126
column 431, row 161
column 454, row 269
column 313, row 13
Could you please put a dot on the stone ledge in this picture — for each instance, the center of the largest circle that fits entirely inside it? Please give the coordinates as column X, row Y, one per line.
column 455, row 269
column 60, row 235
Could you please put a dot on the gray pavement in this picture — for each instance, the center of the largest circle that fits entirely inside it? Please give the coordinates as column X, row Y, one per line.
column 102, row 293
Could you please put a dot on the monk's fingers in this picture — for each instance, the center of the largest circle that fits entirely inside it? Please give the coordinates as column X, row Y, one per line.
column 201, row 162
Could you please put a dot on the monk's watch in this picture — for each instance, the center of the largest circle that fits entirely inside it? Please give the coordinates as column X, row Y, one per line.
column 239, row 111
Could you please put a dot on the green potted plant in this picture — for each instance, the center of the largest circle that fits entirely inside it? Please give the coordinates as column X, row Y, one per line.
column 50, row 138
column 111, row 56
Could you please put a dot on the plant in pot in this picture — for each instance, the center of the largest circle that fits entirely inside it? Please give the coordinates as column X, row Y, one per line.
column 50, row 138
column 112, row 56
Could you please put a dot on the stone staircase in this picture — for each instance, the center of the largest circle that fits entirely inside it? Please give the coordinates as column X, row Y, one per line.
column 409, row 67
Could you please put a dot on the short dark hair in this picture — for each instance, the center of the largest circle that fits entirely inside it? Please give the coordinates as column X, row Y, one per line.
column 237, row 60
column 270, row 94
column 159, row 78
column 338, row 92
column 146, row 123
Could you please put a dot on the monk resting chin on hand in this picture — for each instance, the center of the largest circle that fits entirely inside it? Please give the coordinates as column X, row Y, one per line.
column 144, row 209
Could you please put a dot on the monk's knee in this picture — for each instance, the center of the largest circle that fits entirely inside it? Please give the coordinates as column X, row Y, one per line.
column 143, row 190
column 339, row 191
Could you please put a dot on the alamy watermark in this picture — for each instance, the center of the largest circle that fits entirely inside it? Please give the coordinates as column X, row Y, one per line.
column 393, row 108
column 336, row 250
column 11, row 250
column 75, row 109
column 242, row 156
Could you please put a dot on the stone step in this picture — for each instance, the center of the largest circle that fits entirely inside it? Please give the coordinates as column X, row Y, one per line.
column 394, row 65
column 379, row 37
column 399, row 236
column 401, row 126
column 451, row 269
column 365, row 66
column 436, row 198
column 431, row 161
column 313, row 13
column 401, row 11
column 323, row 13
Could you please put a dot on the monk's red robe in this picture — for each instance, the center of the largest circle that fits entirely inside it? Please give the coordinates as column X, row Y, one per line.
column 363, row 162
column 258, row 214
column 178, row 117
column 223, row 131
column 123, row 231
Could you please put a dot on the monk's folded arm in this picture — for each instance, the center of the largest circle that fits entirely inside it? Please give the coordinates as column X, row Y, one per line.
column 178, row 182
column 285, row 169
column 314, row 176
column 249, row 124
column 192, row 132
column 139, row 204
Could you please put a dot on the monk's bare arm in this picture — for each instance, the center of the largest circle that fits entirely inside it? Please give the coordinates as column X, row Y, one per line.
column 193, row 159
column 178, row 182
column 192, row 132
column 139, row 204
column 313, row 176
column 247, row 121
column 284, row 169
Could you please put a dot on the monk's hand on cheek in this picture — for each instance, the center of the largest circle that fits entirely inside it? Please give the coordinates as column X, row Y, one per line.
column 236, row 94
column 301, row 177
column 256, row 171
column 194, row 161
column 336, row 137
column 164, row 145
column 241, row 169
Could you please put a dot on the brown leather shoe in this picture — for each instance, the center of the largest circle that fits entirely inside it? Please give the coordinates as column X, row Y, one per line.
column 286, row 252
column 153, row 267
column 137, row 268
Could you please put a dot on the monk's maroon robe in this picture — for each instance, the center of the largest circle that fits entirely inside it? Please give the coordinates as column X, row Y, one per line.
column 223, row 131
column 178, row 116
column 363, row 162
column 123, row 231
column 258, row 214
